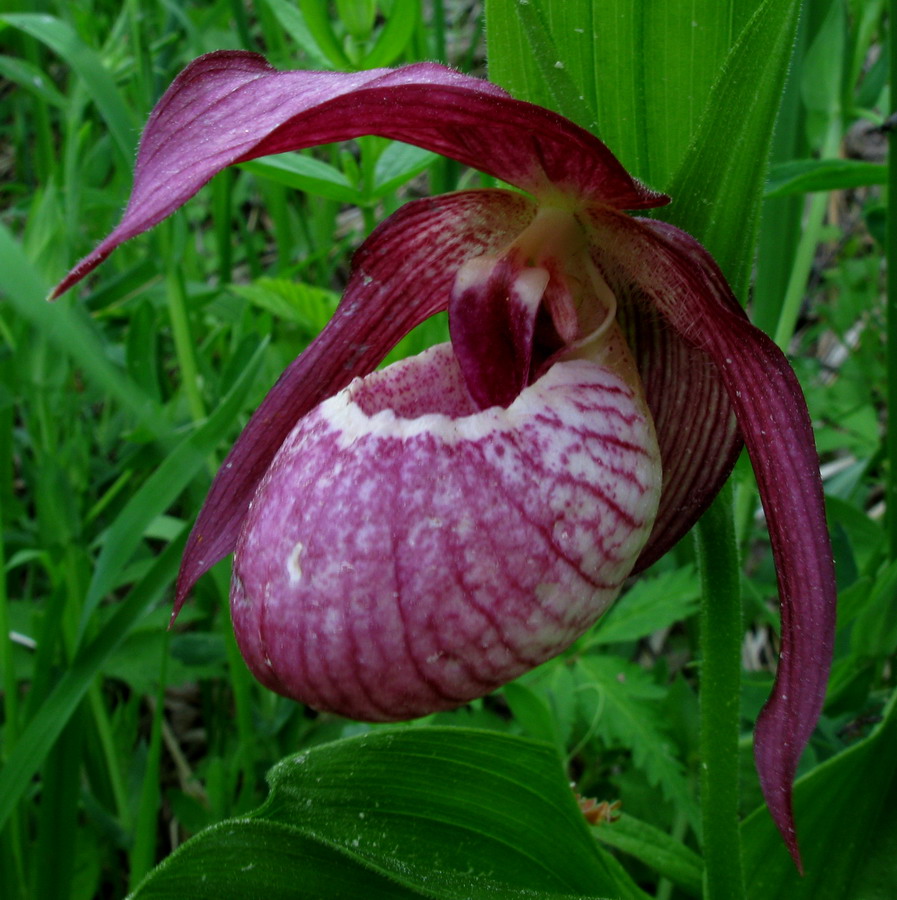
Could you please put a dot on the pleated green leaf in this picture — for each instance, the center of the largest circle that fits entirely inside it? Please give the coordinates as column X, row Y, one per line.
column 423, row 812
column 245, row 858
column 253, row 858
column 643, row 70
column 718, row 187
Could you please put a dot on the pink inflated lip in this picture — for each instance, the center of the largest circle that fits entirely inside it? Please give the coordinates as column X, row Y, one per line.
column 410, row 564
column 447, row 612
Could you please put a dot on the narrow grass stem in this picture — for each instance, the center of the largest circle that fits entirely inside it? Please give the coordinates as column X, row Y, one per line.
column 143, row 850
column 12, row 852
column 439, row 31
column 720, row 639
column 891, row 254
column 240, row 19
column 806, row 249
column 222, row 199
column 105, row 733
column 241, row 684
column 180, row 327
column 44, row 157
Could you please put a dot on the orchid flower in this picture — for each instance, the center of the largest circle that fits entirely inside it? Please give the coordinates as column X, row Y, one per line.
column 410, row 538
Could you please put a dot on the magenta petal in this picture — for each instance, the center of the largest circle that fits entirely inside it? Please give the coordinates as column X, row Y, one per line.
column 402, row 275
column 231, row 106
column 689, row 291
column 407, row 552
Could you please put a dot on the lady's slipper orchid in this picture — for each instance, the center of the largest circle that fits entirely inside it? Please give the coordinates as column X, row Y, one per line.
column 411, row 538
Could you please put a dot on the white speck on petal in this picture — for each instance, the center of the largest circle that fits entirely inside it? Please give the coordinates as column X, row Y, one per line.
column 294, row 569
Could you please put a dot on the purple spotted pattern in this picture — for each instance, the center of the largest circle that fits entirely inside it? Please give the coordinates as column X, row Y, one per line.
column 407, row 553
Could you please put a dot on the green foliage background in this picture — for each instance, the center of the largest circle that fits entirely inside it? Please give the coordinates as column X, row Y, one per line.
column 121, row 740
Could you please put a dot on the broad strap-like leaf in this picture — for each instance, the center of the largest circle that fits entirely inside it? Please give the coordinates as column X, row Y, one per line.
column 636, row 75
column 449, row 801
column 439, row 813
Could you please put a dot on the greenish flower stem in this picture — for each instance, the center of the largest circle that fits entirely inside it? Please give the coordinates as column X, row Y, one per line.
column 721, row 633
column 891, row 254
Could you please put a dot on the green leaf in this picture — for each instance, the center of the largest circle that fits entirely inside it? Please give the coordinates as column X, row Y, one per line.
column 317, row 18
column 42, row 731
column 160, row 490
column 554, row 80
column 240, row 859
column 651, row 604
column 875, row 629
column 357, row 16
column 717, row 189
column 397, row 164
column 86, row 62
column 685, row 95
column 247, row 858
column 642, row 73
column 627, row 698
column 821, row 74
column 31, row 78
column 421, row 812
column 801, row 176
column 432, row 803
column 303, row 304
column 293, row 23
column 845, row 817
column 668, row 857
column 305, row 173
column 70, row 330
column 394, row 36
column 532, row 712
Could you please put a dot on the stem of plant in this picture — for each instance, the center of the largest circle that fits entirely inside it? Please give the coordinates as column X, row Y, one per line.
column 720, row 636
column 891, row 253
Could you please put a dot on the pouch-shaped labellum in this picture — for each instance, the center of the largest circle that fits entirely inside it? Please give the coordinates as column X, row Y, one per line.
column 407, row 552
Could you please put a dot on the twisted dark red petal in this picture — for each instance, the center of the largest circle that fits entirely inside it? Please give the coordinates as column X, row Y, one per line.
column 686, row 287
column 696, row 428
